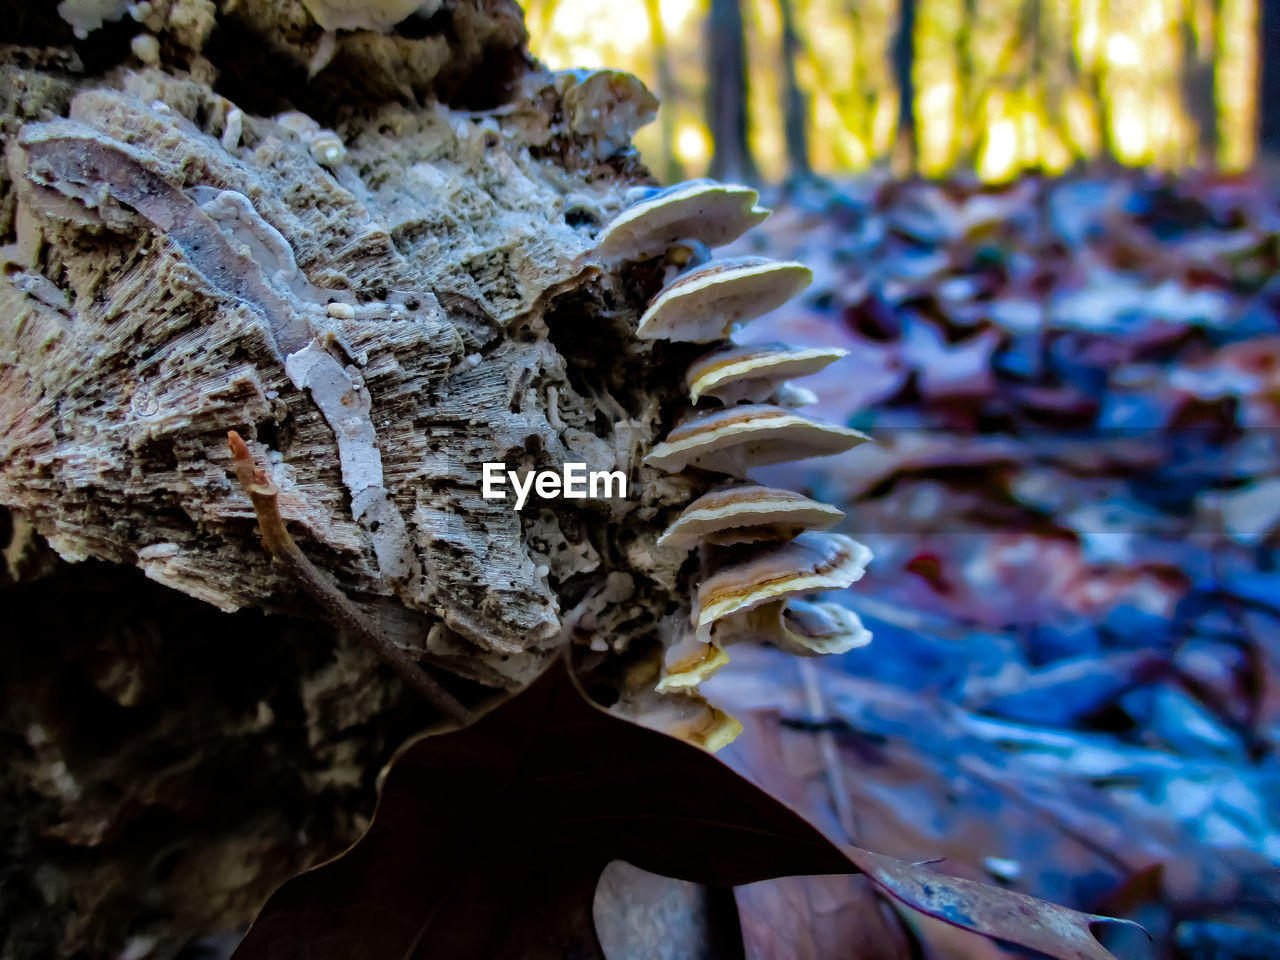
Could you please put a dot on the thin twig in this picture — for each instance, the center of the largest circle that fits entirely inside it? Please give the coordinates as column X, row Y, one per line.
column 818, row 715
column 288, row 556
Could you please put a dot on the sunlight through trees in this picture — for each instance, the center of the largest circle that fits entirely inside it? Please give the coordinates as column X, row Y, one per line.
column 997, row 86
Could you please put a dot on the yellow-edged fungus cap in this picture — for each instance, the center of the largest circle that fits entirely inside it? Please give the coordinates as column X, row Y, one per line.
column 713, row 213
column 688, row 716
column 735, row 439
column 797, row 627
column 746, row 513
column 809, row 563
column 689, row 663
column 703, row 304
column 732, row 372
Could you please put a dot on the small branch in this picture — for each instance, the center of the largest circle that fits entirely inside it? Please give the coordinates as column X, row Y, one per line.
column 818, row 714
column 289, row 557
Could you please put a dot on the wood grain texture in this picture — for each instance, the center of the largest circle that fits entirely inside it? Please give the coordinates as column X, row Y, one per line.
column 167, row 284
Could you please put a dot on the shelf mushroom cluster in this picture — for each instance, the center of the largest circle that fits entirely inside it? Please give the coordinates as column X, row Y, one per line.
column 761, row 548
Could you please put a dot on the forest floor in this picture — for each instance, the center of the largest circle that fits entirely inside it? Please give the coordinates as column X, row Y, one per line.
column 1074, row 502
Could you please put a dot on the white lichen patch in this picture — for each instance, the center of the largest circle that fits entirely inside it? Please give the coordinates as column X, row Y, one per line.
column 344, row 402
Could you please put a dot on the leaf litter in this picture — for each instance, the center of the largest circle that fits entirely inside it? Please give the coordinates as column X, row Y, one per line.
column 1073, row 497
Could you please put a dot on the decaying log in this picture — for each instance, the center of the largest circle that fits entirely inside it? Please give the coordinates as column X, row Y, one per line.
column 364, row 247
column 402, row 335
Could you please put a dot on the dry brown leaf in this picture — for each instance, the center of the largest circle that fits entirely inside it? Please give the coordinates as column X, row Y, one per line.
column 489, row 841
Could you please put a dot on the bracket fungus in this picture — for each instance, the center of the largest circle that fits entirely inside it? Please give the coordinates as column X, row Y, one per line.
column 663, row 695
column 797, row 627
column 688, row 663
column 752, row 587
column 697, row 210
column 807, row 564
column 608, row 106
column 703, row 304
column 791, row 396
column 747, row 513
column 819, row 628
column 735, row 439
column 691, row 719
column 732, row 373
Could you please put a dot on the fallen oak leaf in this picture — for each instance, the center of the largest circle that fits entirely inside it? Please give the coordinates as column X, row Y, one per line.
column 488, row 841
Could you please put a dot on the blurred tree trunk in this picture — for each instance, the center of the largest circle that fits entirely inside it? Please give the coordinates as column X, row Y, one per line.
column 903, row 65
column 727, row 101
column 795, row 105
column 1070, row 79
column 1198, row 80
column 962, row 147
column 668, row 93
column 1097, row 75
column 1033, row 76
column 864, row 88
column 1269, row 97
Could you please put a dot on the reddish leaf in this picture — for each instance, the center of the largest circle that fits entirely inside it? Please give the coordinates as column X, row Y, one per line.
column 1002, row 914
column 489, row 841
column 819, row 918
column 897, row 792
column 797, row 918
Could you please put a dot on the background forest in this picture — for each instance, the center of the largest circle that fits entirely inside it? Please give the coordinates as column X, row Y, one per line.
column 991, row 85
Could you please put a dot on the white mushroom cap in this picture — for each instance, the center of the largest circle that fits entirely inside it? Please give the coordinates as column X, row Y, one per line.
column 797, row 626
column 732, row 372
column 810, row 562
column 735, row 439
column 704, row 210
column 746, row 513
column 703, row 304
